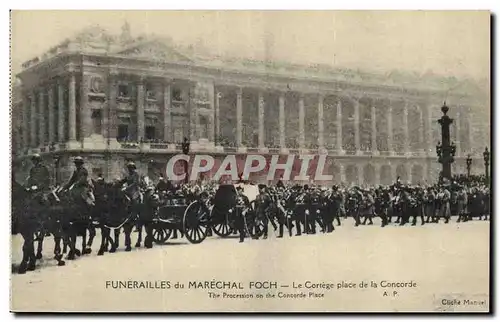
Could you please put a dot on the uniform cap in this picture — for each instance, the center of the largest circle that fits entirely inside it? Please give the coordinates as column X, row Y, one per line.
column 78, row 160
column 131, row 165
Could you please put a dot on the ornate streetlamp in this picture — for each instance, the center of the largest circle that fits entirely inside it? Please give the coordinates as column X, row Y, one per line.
column 486, row 155
column 185, row 150
column 57, row 159
column 446, row 150
column 468, row 161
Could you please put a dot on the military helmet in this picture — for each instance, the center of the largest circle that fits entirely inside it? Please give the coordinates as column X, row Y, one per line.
column 78, row 159
column 131, row 165
column 36, row 157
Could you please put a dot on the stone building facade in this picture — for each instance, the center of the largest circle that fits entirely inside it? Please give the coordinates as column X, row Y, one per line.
column 114, row 99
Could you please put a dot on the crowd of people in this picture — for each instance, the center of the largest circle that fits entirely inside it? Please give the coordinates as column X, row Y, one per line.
column 307, row 208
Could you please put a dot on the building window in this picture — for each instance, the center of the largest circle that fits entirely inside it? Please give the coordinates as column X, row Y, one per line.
column 176, row 95
column 123, row 90
column 150, row 93
column 122, row 132
column 97, row 121
column 203, row 128
column 150, row 132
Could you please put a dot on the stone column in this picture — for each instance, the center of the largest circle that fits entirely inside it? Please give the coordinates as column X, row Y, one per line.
column 61, row 117
column 282, row 120
column 261, row 120
column 33, row 115
column 321, row 125
column 342, row 173
column 430, row 145
column 357, row 138
column 140, row 109
column 26, row 122
column 421, row 140
column 405, row 129
column 72, row 108
column 211, row 124
column 239, row 117
column 374, row 130
column 85, row 111
column 302, row 116
column 340, row 149
column 390, row 139
column 394, row 173
column 361, row 174
column 470, row 137
column 50, row 98
column 167, row 111
column 408, row 172
column 457, row 134
column 42, row 140
column 193, row 116
column 218, row 96
column 111, row 109
column 377, row 175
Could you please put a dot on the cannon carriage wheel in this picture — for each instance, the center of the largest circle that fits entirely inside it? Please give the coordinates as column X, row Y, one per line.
column 220, row 223
column 161, row 233
column 195, row 222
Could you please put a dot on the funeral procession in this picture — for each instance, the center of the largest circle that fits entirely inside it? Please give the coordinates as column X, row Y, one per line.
column 124, row 143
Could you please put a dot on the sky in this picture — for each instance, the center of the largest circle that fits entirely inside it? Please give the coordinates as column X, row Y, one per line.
column 443, row 42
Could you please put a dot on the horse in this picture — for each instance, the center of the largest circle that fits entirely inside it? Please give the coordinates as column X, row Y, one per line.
column 31, row 218
column 113, row 210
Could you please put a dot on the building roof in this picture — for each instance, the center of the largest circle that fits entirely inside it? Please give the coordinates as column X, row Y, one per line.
column 96, row 40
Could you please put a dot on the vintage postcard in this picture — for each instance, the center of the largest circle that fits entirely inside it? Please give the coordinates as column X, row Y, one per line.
column 250, row 161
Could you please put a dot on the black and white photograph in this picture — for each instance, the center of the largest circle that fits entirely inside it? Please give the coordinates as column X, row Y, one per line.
column 250, row 161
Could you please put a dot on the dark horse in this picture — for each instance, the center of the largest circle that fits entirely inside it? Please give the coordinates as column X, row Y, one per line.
column 114, row 210
column 32, row 216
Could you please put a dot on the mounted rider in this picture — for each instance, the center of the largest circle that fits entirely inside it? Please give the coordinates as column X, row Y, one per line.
column 39, row 177
column 132, row 184
column 80, row 184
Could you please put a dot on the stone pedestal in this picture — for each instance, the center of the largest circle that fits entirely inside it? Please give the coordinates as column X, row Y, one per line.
column 242, row 149
column 73, row 145
column 95, row 141
column 206, row 145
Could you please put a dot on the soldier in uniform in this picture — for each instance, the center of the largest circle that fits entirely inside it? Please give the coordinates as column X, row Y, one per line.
column 369, row 203
column 164, row 185
column 430, row 207
column 263, row 202
column 337, row 199
column 79, row 184
column 39, row 177
column 445, row 208
column 280, row 184
column 462, row 202
column 242, row 202
column 133, row 184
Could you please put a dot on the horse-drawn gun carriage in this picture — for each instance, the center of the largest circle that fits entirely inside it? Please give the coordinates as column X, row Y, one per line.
column 198, row 214
column 187, row 213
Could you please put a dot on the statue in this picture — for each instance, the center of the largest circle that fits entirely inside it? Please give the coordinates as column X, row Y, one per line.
column 126, row 35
